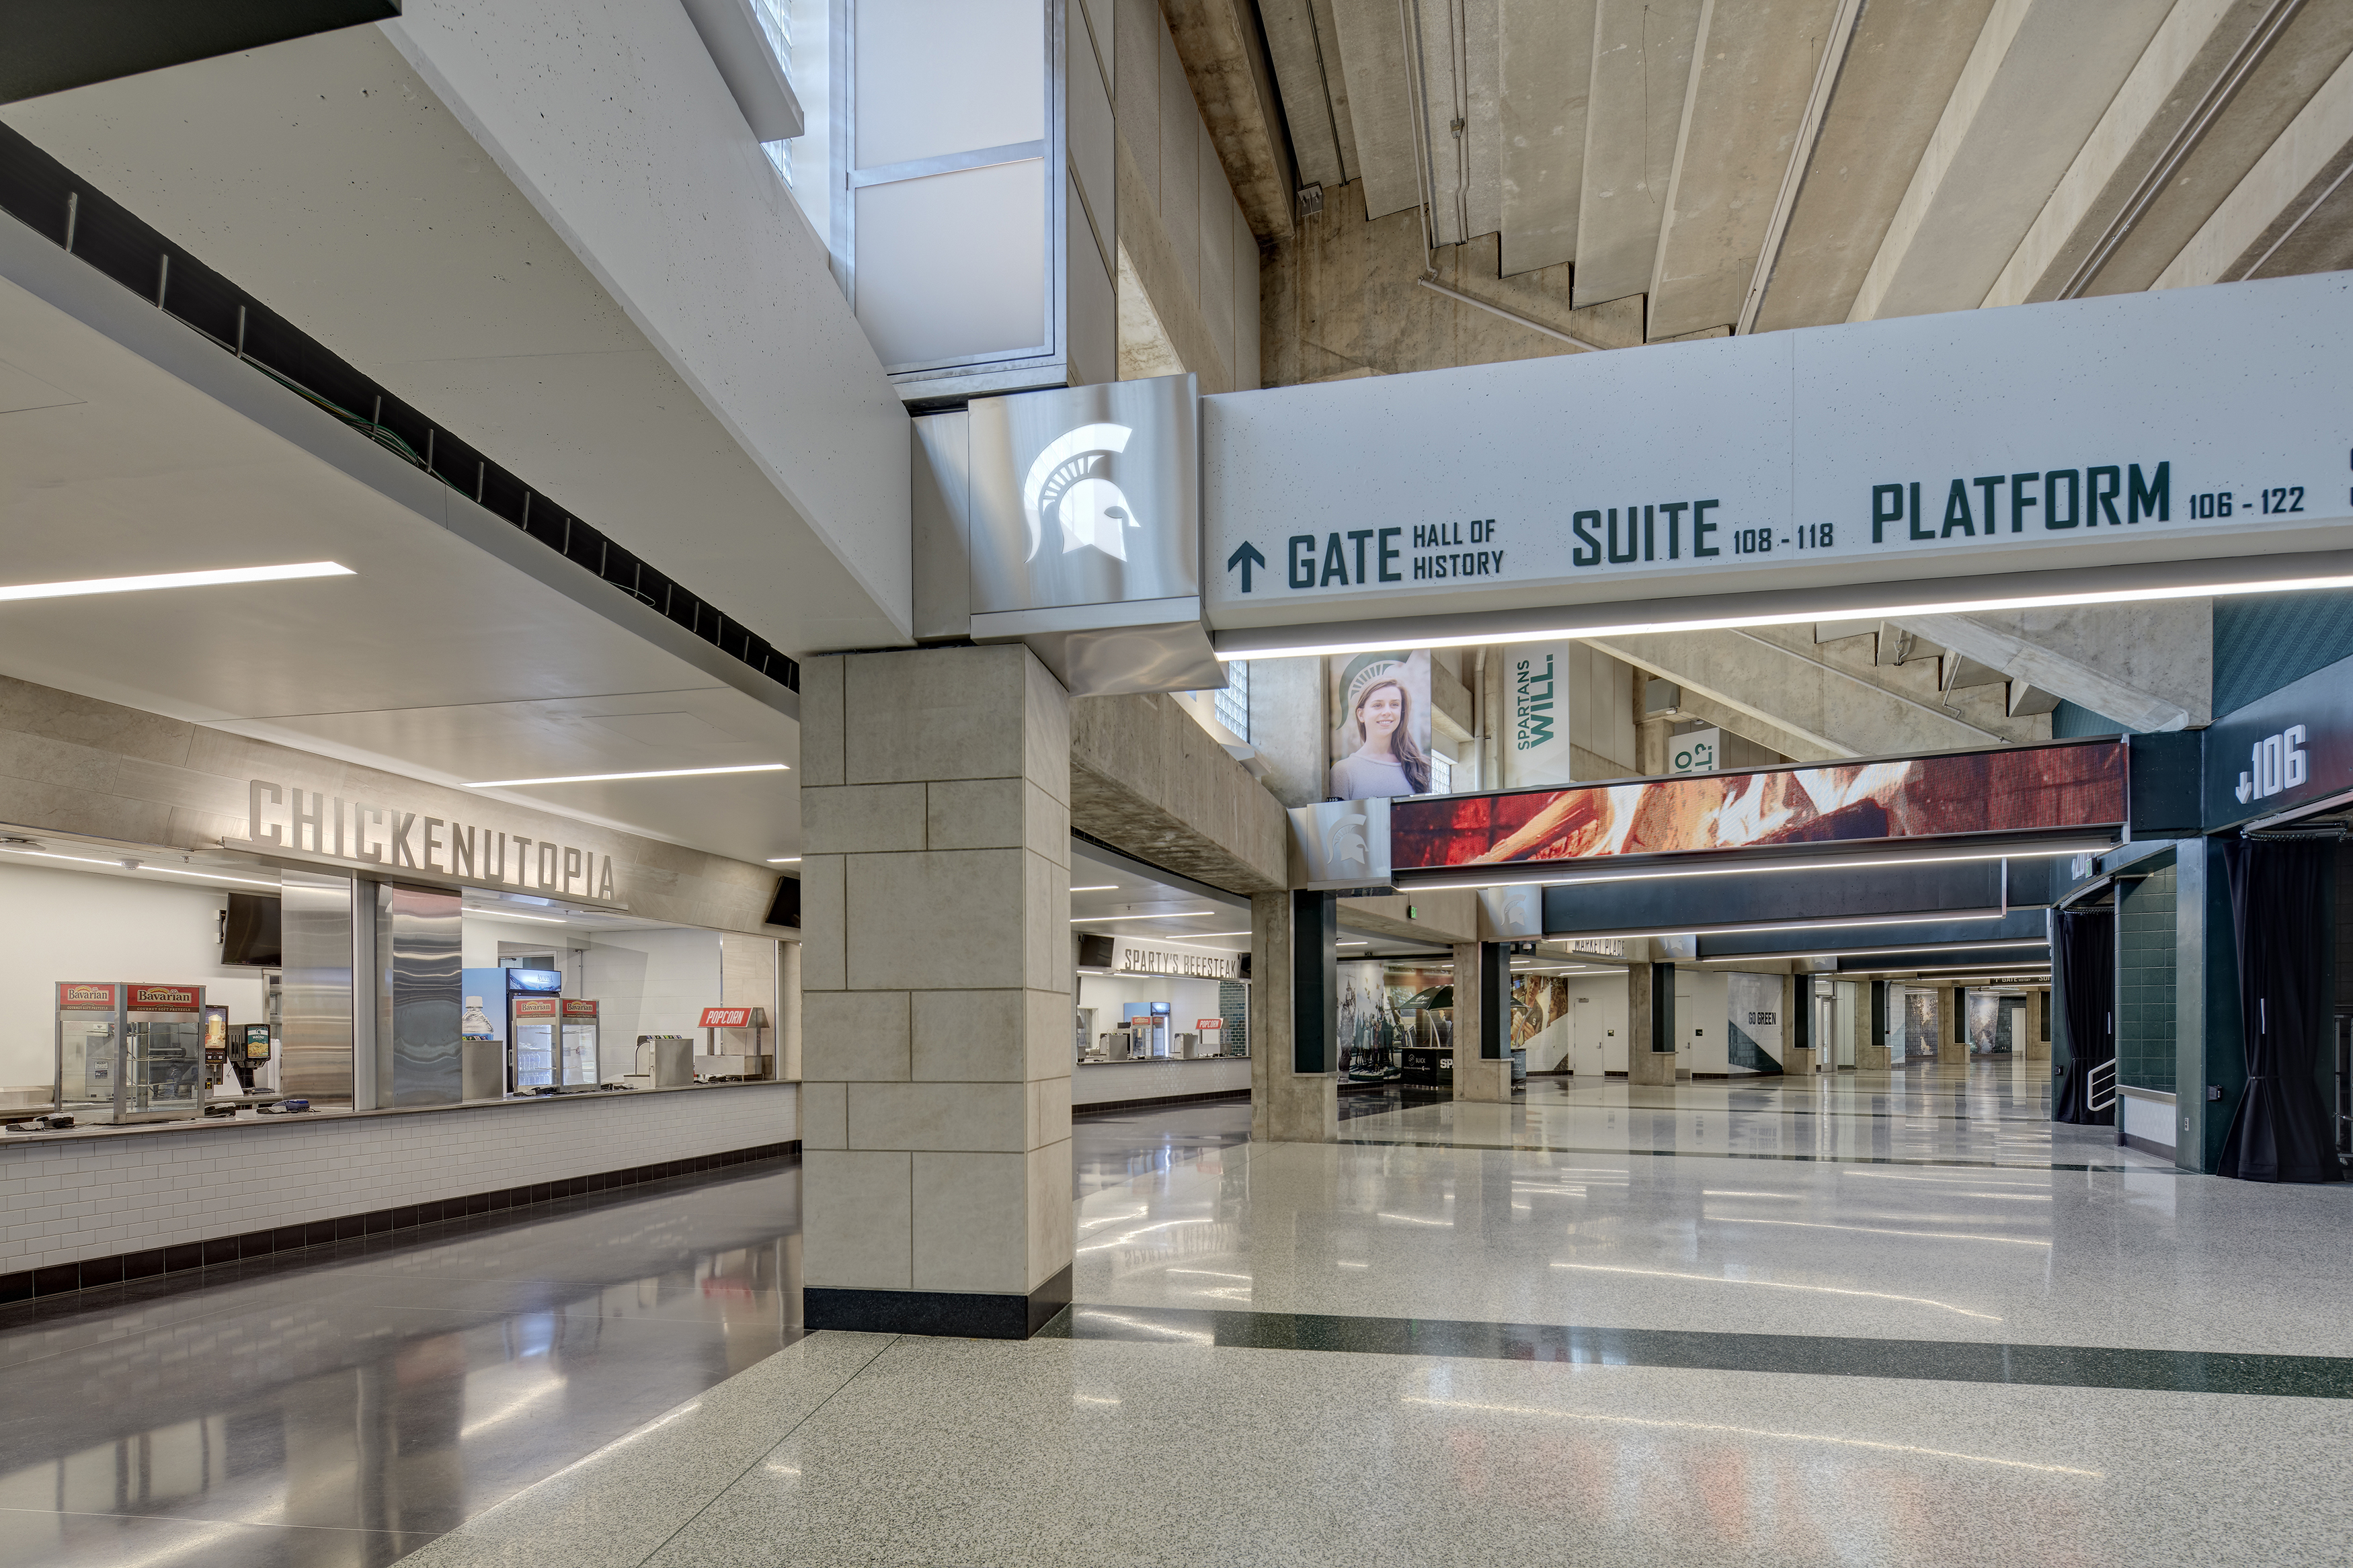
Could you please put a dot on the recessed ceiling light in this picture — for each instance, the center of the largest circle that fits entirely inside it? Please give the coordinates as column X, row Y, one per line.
column 175, row 580
column 647, row 774
column 1101, row 888
column 784, row 859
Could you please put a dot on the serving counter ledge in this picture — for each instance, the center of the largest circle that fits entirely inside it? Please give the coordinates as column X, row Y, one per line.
column 108, row 1205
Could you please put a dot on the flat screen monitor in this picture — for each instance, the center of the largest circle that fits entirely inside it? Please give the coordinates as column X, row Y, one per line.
column 249, row 935
column 1160, row 1009
column 548, row 982
column 785, row 908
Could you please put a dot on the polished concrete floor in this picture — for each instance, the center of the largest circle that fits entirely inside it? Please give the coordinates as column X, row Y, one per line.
column 1862, row 1318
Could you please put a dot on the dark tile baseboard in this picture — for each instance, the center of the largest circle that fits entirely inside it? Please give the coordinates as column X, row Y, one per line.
column 1094, row 1106
column 124, row 1267
column 949, row 1314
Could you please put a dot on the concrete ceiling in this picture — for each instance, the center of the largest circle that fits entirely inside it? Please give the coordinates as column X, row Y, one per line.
column 1113, row 897
column 131, row 445
column 1757, row 164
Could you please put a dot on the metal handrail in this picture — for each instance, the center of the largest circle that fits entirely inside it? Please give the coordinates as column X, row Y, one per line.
column 2101, row 1080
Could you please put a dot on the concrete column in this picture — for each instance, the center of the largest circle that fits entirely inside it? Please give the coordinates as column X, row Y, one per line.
column 1650, row 1024
column 1798, row 1024
column 1295, row 1095
column 1871, row 1053
column 2038, row 1027
column 1949, row 1053
column 937, row 972
column 1478, row 1026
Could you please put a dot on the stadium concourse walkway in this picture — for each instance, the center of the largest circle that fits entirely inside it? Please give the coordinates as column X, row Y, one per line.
column 1865, row 1318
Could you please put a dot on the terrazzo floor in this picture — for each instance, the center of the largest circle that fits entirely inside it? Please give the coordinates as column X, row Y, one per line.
column 1860, row 1319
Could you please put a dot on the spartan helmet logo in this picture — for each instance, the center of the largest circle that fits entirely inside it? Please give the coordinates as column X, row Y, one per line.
column 1064, row 485
column 1518, row 909
column 1350, row 847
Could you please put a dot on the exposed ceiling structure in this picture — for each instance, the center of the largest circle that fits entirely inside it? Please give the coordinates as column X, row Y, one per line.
column 1750, row 166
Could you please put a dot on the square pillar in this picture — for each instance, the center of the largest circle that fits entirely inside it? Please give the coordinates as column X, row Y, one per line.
column 1871, row 1053
column 1293, row 1004
column 935, row 973
column 2038, row 1025
column 1798, row 1024
column 1650, row 1024
column 1482, row 1021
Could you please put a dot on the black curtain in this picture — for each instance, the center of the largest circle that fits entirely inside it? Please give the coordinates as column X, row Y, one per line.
column 2085, row 954
column 2279, row 912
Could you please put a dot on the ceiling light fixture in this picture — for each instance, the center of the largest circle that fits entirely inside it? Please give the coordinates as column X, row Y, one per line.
column 784, row 859
column 1798, row 925
column 504, row 915
column 1176, row 915
column 175, row 580
column 1098, row 888
column 649, row 773
column 1951, row 606
column 119, row 865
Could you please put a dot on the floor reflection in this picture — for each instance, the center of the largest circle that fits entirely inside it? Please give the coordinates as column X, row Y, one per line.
column 346, row 1407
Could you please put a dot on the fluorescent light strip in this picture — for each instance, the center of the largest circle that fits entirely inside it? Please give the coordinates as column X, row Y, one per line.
column 1792, row 925
column 784, row 859
column 175, row 580
column 1178, row 915
column 650, row 773
column 1849, row 863
column 1889, row 952
column 1099, row 887
column 142, row 865
column 1796, row 617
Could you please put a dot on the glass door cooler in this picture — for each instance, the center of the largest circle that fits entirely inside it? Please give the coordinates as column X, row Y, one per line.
column 579, row 1043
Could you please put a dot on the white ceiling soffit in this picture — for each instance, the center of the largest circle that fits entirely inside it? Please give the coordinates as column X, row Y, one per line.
column 627, row 312
column 458, row 651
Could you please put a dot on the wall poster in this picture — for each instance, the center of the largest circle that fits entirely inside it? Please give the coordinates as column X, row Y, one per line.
column 1380, row 725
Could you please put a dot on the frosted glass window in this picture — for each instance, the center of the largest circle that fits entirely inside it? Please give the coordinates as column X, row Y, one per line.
column 947, row 76
column 953, row 266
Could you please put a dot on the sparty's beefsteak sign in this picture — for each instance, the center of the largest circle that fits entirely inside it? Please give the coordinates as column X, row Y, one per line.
column 2166, row 439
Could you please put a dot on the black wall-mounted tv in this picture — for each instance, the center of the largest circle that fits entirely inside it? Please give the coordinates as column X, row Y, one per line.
column 1095, row 952
column 785, row 909
column 249, row 935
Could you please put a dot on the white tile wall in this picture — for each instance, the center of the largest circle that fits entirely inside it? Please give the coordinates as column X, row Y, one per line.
column 66, row 1199
column 1101, row 1081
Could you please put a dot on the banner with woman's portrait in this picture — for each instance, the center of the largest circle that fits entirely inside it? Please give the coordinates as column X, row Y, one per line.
column 1380, row 725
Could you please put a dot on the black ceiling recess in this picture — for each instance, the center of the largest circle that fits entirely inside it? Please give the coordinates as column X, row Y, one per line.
column 53, row 45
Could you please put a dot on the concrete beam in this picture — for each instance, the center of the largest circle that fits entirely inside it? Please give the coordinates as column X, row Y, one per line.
column 1313, row 84
column 1443, row 917
column 1342, row 294
column 2149, row 666
column 1547, row 70
column 2288, row 214
column 1633, row 121
column 1898, row 72
column 1146, row 779
column 2037, row 81
column 2215, row 87
column 1380, row 105
column 1752, row 71
column 1233, row 84
column 1827, row 711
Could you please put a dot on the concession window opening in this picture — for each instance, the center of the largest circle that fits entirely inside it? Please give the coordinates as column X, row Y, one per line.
column 2014, row 794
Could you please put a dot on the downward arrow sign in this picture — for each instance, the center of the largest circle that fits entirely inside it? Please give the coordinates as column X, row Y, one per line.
column 1245, row 557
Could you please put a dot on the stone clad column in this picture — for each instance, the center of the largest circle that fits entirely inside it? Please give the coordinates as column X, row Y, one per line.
column 2038, row 1025
column 1870, row 1021
column 1952, row 1050
column 1294, row 1093
column 935, row 1050
column 1477, row 1022
column 1797, row 1025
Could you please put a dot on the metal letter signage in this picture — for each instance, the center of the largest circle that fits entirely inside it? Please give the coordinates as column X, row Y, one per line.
column 2291, row 748
column 2179, row 438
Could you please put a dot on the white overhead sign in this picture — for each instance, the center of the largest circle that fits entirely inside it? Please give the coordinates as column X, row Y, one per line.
column 2203, row 424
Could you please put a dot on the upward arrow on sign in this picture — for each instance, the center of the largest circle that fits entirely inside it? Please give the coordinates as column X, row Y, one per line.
column 1245, row 557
